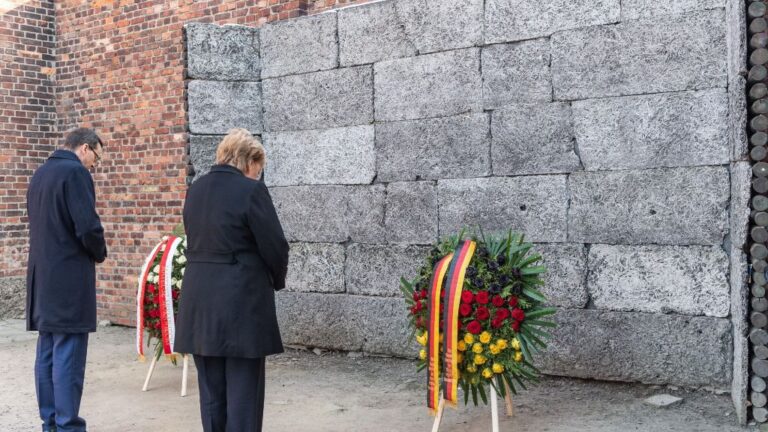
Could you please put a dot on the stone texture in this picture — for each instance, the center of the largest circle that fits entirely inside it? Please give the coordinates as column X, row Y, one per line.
column 320, row 100
column 299, row 45
column 689, row 280
column 202, row 153
column 533, row 205
column 565, row 279
column 330, row 156
column 316, row 267
column 663, row 400
column 432, row 85
column 741, row 175
column 664, row 130
column 736, row 24
column 437, row 25
column 215, row 107
column 737, row 119
column 515, row 73
column 369, row 33
column 510, row 20
column 331, row 213
column 627, row 346
column 411, row 215
column 634, row 9
column 339, row 321
column 662, row 206
column 13, row 294
column 433, row 148
column 533, row 139
column 222, row 52
column 376, row 269
column 685, row 52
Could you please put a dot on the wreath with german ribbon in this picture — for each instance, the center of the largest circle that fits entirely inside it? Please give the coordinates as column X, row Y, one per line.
column 476, row 309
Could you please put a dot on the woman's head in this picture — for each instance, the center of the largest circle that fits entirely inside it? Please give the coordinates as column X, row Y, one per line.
column 243, row 151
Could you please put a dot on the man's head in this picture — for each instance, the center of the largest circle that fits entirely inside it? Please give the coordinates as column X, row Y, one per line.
column 86, row 145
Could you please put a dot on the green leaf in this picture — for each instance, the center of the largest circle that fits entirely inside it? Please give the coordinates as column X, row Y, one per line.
column 533, row 270
column 541, row 323
column 529, row 260
column 534, row 294
column 474, row 393
column 502, row 391
column 464, row 389
column 524, row 349
column 421, row 367
column 540, row 312
column 508, row 380
column 481, row 388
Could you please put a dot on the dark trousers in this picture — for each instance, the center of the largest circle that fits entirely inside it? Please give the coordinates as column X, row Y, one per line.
column 59, row 374
column 231, row 393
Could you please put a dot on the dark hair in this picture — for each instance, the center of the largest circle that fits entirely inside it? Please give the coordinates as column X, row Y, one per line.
column 82, row 136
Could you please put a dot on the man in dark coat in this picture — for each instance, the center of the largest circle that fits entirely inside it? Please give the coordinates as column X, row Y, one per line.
column 66, row 240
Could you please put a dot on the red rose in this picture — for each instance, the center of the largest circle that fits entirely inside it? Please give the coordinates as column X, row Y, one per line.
column 419, row 306
column 424, row 294
column 502, row 314
column 513, row 301
column 175, row 294
column 496, row 323
column 465, row 309
column 474, row 327
column 518, row 314
column 516, row 326
column 497, row 301
column 482, row 313
column 151, row 288
column 416, row 296
column 413, row 310
column 482, row 297
column 419, row 322
column 467, row 297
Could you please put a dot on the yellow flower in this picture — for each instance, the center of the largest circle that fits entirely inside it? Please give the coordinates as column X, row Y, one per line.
column 498, row 368
column 423, row 354
column 468, row 338
column 485, row 337
column 461, row 346
column 487, row 373
column 459, row 358
column 502, row 344
column 471, row 368
column 422, row 340
column 477, row 348
column 518, row 356
column 480, row 359
column 516, row 344
column 494, row 349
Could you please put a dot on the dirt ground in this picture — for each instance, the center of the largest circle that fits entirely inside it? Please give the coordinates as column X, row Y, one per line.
column 339, row 392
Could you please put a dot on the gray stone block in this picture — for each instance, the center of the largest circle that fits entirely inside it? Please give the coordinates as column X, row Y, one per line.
column 741, row 176
column 338, row 321
column 437, row 25
column 372, row 32
column 215, row 107
column 432, row 85
column 13, row 294
column 533, row 205
column 433, row 148
column 376, row 269
column 202, row 153
column 736, row 35
column 222, row 52
column 511, row 20
column 737, row 119
column 688, row 280
column 411, row 215
column 635, row 9
column 663, row 206
column 299, row 45
column 316, row 267
column 634, row 346
column 330, row 156
column 533, row 139
column 515, row 73
column 331, row 213
column 650, row 131
column 320, row 100
column 565, row 279
column 686, row 52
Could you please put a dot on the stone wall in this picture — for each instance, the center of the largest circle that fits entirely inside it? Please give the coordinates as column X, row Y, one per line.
column 607, row 132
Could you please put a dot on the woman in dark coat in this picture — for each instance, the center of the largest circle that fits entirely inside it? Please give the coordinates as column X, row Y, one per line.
column 237, row 258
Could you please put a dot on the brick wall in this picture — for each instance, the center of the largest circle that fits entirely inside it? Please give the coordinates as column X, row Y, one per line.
column 121, row 70
column 27, row 123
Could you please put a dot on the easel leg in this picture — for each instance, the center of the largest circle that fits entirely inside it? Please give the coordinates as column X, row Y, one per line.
column 439, row 415
column 184, row 374
column 149, row 374
column 494, row 411
column 508, row 400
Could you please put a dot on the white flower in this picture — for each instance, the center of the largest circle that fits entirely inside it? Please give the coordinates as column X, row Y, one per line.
column 165, row 238
column 155, row 279
column 182, row 271
column 156, row 269
column 174, row 281
column 182, row 259
column 178, row 284
column 184, row 242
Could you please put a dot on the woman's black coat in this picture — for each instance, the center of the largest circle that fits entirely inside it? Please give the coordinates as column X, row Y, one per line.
column 237, row 258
